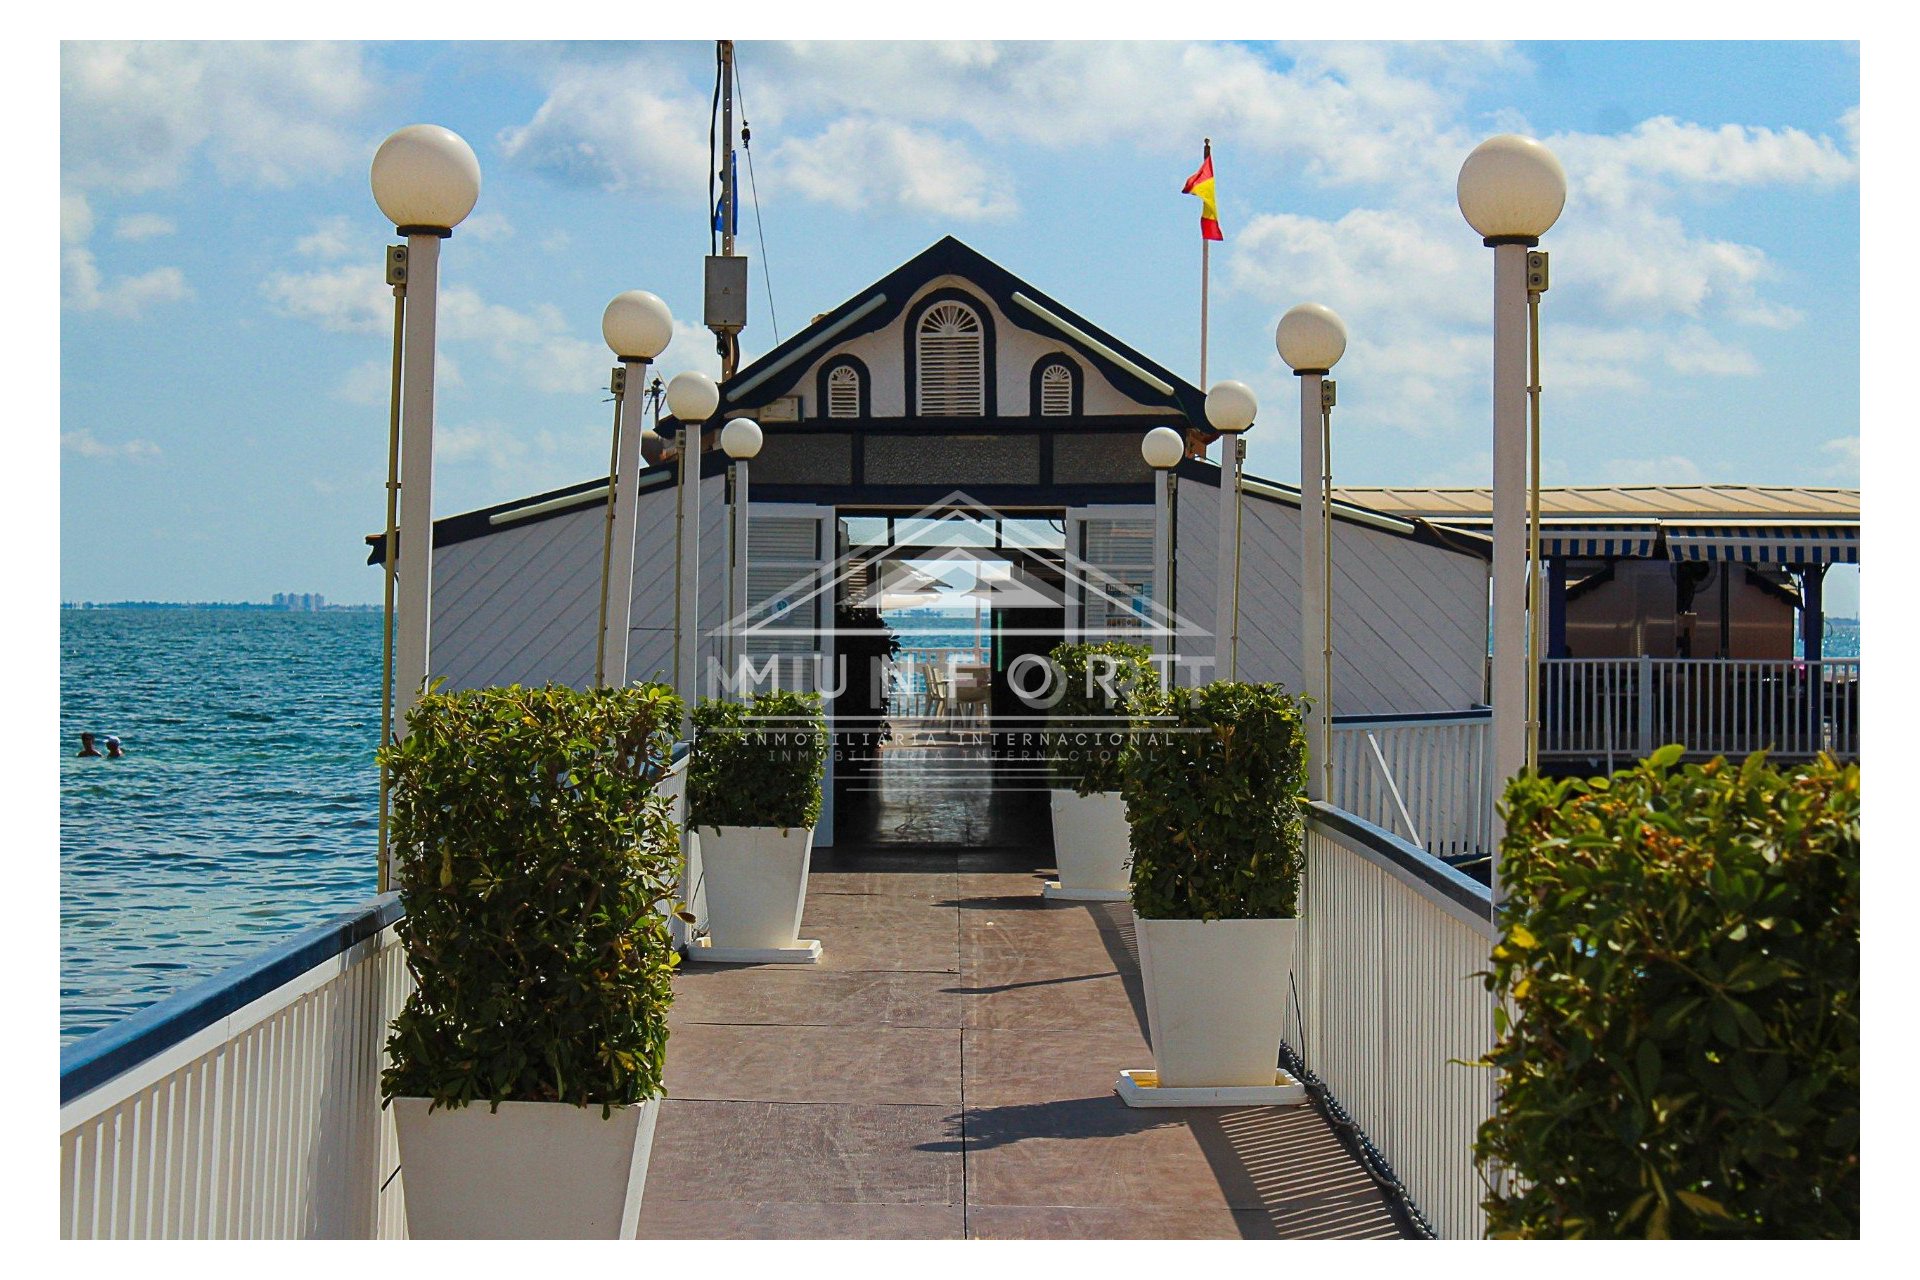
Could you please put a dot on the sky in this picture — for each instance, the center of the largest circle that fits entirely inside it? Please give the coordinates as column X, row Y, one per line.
column 224, row 330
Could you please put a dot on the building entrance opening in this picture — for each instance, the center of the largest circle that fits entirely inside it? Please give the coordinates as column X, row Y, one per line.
column 935, row 749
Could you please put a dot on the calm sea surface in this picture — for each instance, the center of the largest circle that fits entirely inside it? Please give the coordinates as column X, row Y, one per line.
column 245, row 808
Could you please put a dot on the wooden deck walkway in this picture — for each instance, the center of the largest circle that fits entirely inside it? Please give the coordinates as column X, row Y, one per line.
column 947, row 1072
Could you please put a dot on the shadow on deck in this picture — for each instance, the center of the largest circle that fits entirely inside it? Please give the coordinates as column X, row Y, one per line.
column 947, row 1071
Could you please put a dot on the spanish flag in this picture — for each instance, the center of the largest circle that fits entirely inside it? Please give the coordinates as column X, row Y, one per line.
column 1201, row 184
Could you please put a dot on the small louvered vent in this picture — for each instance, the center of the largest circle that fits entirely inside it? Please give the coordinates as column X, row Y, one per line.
column 843, row 392
column 1056, row 391
column 951, row 350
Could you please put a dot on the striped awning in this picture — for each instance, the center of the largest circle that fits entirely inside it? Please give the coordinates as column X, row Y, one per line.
column 1582, row 541
column 1765, row 544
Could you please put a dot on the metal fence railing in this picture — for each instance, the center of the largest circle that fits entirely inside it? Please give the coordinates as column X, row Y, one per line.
column 1616, row 709
column 1391, row 1008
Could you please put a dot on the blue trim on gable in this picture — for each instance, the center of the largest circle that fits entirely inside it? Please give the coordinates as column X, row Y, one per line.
column 949, row 257
column 87, row 1064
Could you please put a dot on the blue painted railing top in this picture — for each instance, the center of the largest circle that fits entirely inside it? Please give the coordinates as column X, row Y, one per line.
column 1412, row 717
column 1436, row 878
column 89, row 1063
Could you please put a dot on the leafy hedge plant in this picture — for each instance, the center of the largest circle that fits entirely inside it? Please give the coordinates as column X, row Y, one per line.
column 1213, row 803
column 531, row 853
column 1681, row 953
column 758, row 763
column 1102, row 684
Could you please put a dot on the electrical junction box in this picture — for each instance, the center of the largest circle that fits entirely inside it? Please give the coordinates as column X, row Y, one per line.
column 727, row 293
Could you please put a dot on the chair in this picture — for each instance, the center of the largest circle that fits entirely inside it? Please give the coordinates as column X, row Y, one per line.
column 939, row 694
column 973, row 686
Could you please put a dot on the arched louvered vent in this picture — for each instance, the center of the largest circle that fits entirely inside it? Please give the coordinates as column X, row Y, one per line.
column 951, row 352
column 843, row 392
column 1056, row 391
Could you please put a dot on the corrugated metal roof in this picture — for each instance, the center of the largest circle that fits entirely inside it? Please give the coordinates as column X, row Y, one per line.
column 1748, row 502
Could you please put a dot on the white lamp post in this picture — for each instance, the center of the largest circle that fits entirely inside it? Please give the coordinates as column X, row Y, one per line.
column 1511, row 191
column 1163, row 448
column 692, row 398
column 638, row 327
column 426, row 180
column 1311, row 339
column 740, row 439
column 1230, row 411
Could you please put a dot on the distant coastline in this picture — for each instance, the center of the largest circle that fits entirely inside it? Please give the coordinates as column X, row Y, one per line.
column 239, row 605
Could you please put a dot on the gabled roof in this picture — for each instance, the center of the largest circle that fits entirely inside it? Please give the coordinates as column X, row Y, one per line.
column 1135, row 374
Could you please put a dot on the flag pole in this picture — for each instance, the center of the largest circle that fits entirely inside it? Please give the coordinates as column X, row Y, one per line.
column 1206, row 153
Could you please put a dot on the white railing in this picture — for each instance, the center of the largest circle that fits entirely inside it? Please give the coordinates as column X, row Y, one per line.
column 1391, row 942
column 1616, row 709
column 245, row 1108
column 248, row 1107
column 1424, row 778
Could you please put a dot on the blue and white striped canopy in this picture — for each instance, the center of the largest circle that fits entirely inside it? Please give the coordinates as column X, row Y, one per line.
column 1597, row 540
column 1764, row 544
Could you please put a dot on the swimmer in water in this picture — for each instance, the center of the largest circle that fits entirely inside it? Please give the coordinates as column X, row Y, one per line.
column 86, row 745
column 113, row 749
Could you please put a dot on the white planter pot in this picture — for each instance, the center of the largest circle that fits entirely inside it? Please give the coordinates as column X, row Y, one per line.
column 756, row 885
column 1090, row 840
column 530, row 1171
column 1216, row 998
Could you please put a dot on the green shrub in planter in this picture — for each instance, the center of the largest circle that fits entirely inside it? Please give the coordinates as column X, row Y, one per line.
column 531, row 853
column 1681, row 954
column 1101, row 683
column 758, row 763
column 1213, row 797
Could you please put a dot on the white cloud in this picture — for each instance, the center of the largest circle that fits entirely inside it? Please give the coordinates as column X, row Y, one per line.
column 134, row 115
column 76, row 218
column 487, row 226
column 628, row 125
column 83, row 287
column 143, row 226
column 487, row 459
column 1843, row 461
column 83, row 443
column 1347, row 113
column 692, row 348
column 863, row 163
column 331, row 238
column 1352, row 112
column 535, row 343
column 1695, row 350
column 1672, row 469
column 353, row 298
column 1372, row 260
column 1615, row 169
column 371, row 381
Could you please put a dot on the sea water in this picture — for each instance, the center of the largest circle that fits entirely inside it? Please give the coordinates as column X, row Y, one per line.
column 245, row 810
